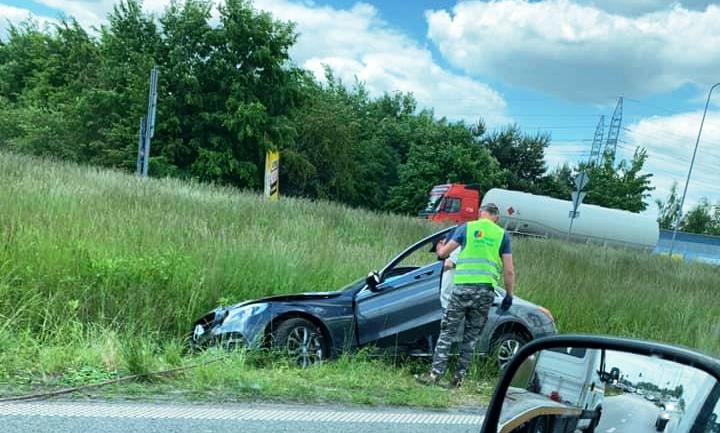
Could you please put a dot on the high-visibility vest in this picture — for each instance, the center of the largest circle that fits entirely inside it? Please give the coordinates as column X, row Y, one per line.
column 479, row 261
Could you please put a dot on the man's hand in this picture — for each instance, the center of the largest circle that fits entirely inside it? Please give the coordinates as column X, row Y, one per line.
column 448, row 264
column 506, row 303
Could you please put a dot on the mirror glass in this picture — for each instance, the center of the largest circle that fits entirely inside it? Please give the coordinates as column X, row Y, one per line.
column 576, row 389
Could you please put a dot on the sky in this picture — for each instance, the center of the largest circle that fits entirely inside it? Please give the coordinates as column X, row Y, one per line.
column 663, row 373
column 551, row 66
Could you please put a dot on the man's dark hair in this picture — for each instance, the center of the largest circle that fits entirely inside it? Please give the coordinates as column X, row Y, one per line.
column 490, row 208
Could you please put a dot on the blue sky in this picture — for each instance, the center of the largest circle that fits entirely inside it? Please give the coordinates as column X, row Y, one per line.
column 551, row 66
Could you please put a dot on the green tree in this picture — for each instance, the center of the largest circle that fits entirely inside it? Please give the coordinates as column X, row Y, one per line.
column 321, row 161
column 699, row 219
column 558, row 183
column 446, row 152
column 620, row 186
column 521, row 156
column 668, row 210
column 260, row 83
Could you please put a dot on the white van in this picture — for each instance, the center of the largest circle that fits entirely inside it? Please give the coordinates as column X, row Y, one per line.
column 574, row 377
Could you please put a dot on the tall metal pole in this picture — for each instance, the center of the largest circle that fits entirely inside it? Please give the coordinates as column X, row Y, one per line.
column 692, row 164
column 150, row 120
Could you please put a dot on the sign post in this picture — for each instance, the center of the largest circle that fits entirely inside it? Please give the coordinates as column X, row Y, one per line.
column 272, row 175
column 147, row 126
column 141, row 148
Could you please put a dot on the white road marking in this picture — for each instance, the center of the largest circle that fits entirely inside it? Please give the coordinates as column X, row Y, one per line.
column 101, row 410
column 623, row 420
column 610, row 430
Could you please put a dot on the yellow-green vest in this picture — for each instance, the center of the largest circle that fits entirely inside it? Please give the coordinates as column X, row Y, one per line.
column 479, row 261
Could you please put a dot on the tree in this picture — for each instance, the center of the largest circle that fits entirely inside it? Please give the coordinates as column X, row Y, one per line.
column 444, row 152
column 321, row 162
column 669, row 209
column 619, row 187
column 558, row 183
column 521, row 156
column 699, row 219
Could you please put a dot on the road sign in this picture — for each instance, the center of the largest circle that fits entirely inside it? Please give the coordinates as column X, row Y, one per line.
column 272, row 174
column 581, row 181
column 577, row 198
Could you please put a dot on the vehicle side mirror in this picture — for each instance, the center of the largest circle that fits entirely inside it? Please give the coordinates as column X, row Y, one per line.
column 611, row 377
column 373, row 281
column 545, row 387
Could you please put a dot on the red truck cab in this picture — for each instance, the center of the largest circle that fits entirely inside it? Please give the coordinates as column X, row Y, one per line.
column 453, row 202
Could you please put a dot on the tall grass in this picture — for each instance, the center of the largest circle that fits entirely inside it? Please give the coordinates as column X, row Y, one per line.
column 105, row 247
column 90, row 259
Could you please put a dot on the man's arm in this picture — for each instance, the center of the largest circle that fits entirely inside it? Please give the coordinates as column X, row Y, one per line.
column 450, row 243
column 445, row 248
column 508, row 273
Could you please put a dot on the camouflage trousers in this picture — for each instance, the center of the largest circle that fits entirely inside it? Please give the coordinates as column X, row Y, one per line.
column 472, row 303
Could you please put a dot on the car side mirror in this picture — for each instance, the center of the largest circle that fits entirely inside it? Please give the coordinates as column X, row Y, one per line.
column 373, row 281
column 544, row 387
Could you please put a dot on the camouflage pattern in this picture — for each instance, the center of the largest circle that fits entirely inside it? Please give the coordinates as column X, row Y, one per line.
column 470, row 302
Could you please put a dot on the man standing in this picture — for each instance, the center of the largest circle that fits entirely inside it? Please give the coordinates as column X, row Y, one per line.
column 485, row 251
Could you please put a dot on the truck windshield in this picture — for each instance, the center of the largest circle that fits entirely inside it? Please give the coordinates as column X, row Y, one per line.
column 433, row 203
column 572, row 351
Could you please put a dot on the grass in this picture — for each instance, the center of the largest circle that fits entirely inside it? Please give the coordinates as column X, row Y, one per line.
column 101, row 273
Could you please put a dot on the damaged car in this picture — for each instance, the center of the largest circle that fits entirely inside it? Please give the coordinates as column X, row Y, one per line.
column 395, row 310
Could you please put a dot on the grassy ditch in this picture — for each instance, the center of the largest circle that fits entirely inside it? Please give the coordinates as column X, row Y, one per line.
column 101, row 274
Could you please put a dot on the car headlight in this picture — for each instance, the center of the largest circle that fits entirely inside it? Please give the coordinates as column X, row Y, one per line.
column 198, row 332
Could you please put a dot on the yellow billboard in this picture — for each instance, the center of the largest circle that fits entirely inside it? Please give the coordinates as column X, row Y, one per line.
column 272, row 175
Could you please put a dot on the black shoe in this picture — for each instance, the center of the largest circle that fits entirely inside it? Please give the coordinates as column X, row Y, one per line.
column 456, row 382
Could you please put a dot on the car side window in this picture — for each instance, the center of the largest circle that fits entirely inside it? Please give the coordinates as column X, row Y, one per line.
column 422, row 256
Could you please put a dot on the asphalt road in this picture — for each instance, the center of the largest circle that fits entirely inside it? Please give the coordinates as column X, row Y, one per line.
column 96, row 417
column 628, row 413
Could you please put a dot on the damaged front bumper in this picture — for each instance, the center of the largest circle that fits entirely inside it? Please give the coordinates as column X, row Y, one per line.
column 239, row 325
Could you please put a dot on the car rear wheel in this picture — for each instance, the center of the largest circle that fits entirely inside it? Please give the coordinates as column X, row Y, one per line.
column 301, row 340
column 506, row 345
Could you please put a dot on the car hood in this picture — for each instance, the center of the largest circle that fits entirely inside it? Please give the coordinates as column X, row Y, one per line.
column 291, row 297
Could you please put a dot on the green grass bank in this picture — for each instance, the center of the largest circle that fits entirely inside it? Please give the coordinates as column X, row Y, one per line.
column 101, row 273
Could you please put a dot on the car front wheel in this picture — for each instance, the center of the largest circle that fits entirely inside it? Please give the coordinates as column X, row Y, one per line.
column 506, row 345
column 301, row 340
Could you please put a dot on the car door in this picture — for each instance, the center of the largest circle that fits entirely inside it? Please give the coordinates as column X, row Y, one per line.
column 405, row 307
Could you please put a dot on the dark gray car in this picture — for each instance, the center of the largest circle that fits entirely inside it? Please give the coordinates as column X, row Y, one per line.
column 397, row 310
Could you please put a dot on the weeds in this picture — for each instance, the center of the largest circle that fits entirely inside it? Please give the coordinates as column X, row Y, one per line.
column 102, row 273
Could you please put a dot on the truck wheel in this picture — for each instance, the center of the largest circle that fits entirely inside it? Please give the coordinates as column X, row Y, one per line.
column 594, row 423
column 301, row 340
column 540, row 424
column 506, row 345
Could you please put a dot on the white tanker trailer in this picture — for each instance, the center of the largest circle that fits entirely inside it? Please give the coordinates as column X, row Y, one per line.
column 536, row 215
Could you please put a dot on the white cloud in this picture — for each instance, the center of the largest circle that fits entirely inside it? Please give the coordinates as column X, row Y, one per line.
column 10, row 15
column 357, row 43
column 670, row 141
column 91, row 13
column 640, row 7
column 579, row 52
